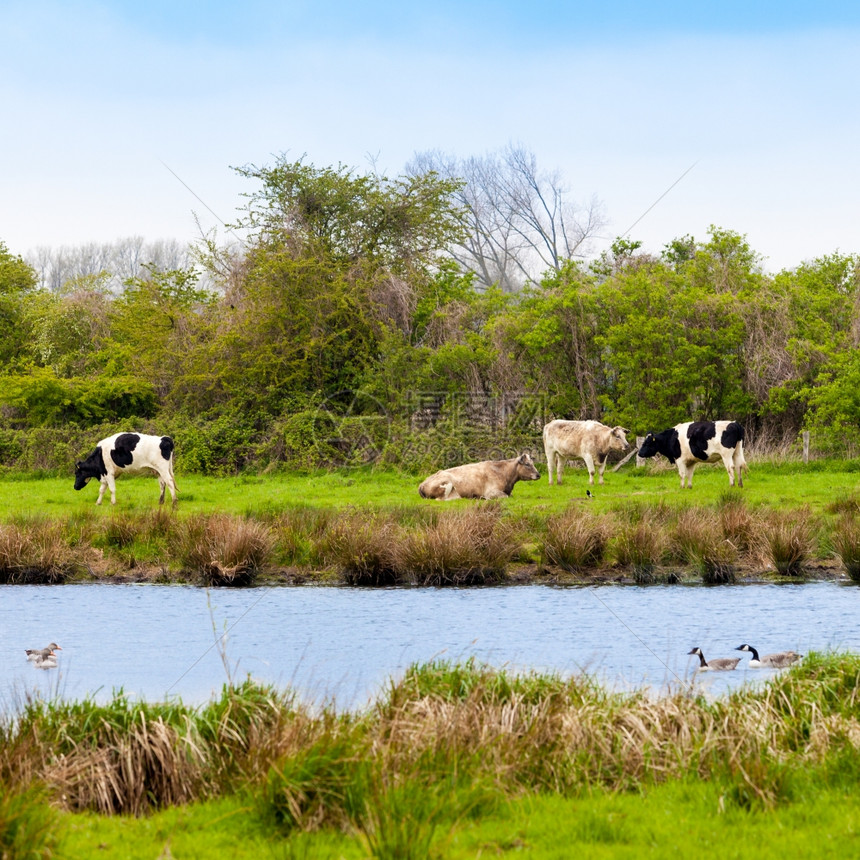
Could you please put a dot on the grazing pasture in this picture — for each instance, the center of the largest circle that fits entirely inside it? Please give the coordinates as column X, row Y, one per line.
column 225, row 531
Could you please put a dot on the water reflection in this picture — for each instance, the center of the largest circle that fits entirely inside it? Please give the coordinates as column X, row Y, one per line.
column 342, row 644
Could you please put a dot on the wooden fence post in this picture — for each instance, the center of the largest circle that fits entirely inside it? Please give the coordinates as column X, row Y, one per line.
column 805, row 446
column 640, row 461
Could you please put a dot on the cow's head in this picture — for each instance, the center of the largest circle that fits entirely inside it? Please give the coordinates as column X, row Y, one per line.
column 526, row 470
column 665, row 442
column 92, row 467
column 618, row 438
column 649, row 447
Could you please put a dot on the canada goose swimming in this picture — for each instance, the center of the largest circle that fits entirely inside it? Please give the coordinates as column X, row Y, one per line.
column 770, row 661
column 34, row 654
column 721, row 664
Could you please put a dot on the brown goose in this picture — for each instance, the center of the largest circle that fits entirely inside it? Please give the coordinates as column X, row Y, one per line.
column 49, row 662
column 36, row 654
column 721, row 664
column 779, row 660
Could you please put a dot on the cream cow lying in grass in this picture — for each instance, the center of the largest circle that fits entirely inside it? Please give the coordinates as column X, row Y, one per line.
column 490, row 479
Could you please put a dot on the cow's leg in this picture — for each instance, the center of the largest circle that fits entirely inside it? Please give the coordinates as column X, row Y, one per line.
column 589, row 464
column 165, row 480
column 102, row 488
column 110, row 482
column 495, row 494
column 601, row 465
column 738, row 463
column 550, row 464
column 682, row 471
column 729, row 465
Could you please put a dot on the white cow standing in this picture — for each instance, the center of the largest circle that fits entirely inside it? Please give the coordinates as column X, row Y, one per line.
column 587, row 440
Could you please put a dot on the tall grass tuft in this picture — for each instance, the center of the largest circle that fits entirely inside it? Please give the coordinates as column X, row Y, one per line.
column 639, row 545
column 363, row 547
column 845, row 537
column 576, row 540
column 223, row 549
column 466, row 547
column 697, row 540
column 36, row 551
column 299, row 533
column 28, row 824
column 788, row 540
column 739, row 525
column 321, row 784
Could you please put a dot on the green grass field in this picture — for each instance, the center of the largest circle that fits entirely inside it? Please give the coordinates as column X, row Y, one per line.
column 667, row 822
column 774, row 484
column 367, row 526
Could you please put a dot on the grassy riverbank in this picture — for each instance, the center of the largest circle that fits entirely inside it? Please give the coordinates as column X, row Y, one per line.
column 452, row 760
column 370, row 527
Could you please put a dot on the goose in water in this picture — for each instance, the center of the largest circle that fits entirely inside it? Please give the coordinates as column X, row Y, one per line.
column 48, row 662
column 770, row 661
column 721, row 664
column 35, row 654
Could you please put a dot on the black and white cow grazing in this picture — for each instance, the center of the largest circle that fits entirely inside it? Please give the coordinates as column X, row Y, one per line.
column 131, row 453
column 700, row 442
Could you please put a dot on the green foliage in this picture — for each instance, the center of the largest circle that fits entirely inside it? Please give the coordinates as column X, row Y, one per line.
column 43, row 399
column 399, row 224
column 16, row 275
column 29, row 826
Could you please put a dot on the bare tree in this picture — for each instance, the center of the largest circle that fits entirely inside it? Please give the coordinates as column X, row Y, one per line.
column 117, row 261
column 521, row 221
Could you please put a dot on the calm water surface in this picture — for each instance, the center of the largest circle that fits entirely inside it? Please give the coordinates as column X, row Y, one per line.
column 343, row 644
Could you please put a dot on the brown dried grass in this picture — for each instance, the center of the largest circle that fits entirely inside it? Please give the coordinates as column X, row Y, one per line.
column 467, row 547
column 36, row 551
column 576, row 540
column 222, row 549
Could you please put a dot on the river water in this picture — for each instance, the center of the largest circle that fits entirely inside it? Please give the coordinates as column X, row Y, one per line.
column 342, row 645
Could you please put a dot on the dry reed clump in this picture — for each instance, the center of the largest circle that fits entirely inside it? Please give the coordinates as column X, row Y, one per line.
column 845, row 538
column 698, row 540
column 640, row 546
column 363, row 547
column 788, row 540
column 739, row 525
column 148, row 764
column 576, row 540
column 222, row 549
column 466, row 547
column 36, row 551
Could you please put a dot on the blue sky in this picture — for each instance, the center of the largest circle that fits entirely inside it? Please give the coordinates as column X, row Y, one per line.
column 620, row 97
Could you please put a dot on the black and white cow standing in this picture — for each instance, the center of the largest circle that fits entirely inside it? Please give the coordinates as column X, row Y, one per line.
column 128, row 453
column 700, row 442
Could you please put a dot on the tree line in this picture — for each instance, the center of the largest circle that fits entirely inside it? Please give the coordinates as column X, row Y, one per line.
column 370, row 318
